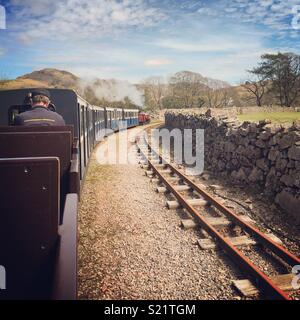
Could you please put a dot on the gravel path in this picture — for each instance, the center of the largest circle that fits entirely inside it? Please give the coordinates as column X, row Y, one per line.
column 132, row 247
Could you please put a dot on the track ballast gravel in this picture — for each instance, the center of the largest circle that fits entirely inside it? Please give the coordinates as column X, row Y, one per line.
column 132, row 247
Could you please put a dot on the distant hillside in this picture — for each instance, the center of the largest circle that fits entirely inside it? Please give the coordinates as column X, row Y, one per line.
column 46, row 78
column 53, row 78
column 22, row 83
column 97, row 91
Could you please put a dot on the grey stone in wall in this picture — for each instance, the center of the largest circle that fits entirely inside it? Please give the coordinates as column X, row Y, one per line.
column 294, row 152
column 262, row 154
column 289, row 203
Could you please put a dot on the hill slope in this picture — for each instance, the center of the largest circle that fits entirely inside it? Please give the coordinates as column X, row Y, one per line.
column 53, row 78
column 97, row 91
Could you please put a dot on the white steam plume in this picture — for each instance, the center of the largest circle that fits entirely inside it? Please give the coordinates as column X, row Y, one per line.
column 115, row 90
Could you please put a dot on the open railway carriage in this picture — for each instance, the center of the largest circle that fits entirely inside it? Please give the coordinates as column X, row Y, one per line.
column 39, row 189
column 111, row 122
column 41, row 169
column 89, row 121
column 131, row 117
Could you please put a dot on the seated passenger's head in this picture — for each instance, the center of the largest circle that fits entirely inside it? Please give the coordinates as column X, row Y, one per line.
column 40, row 98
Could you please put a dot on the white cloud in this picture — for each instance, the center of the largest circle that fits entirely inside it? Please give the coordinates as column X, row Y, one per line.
column 95, row 60
column 194, row 47
column 103, row 38
column 218, row 50
column 276, row 14
column 34, row 8
column 210, row 43
column 80, row 18
column 158, row 62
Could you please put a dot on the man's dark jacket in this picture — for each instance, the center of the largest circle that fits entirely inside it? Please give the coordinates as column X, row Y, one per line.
column 39, row 116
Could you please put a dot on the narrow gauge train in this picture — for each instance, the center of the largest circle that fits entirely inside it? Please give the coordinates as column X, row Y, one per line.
column 41, row 170
column 144, row 118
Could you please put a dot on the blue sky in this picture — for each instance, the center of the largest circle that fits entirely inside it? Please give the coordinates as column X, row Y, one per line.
column 135, row 39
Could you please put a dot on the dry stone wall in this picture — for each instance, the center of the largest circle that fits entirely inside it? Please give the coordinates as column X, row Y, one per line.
column 259, row 154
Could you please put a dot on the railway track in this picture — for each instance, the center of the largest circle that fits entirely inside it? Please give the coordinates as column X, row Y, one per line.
column 174, row 181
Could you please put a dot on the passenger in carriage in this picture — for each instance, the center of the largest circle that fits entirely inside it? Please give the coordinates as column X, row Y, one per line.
column 40, row 113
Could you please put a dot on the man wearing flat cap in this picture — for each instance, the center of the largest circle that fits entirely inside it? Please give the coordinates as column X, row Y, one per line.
column 40, row 114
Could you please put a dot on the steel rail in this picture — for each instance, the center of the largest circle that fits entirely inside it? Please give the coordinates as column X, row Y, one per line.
column 261, row 237
column 275, row 247
column 259, row 278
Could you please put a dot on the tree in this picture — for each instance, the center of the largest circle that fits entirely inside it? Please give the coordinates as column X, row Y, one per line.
column 282, row 70
column 218, row 98
column 188, row 88
column 155, row 89
column 170, row 102
column 256, row 86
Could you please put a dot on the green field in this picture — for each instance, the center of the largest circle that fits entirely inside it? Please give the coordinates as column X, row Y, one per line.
column 275, row 117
